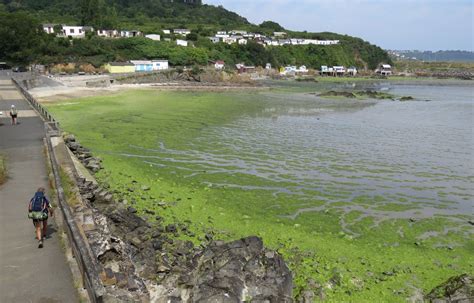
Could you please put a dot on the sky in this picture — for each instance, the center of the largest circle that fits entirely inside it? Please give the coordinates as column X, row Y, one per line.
column 391, row 24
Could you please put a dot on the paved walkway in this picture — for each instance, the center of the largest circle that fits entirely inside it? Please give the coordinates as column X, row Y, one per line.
column 27, row 273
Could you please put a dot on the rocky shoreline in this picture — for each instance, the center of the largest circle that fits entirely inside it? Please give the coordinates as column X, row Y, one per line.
column 143, row 260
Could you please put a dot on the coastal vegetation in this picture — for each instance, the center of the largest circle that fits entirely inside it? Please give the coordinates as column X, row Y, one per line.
column 148, row 139
column 147, row 15
column 35, row 46
column 362, row 94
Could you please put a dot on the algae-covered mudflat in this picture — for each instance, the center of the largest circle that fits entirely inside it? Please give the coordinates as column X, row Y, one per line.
column 368, row 200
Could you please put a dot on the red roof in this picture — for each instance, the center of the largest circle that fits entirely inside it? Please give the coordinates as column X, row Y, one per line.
column 220, row 62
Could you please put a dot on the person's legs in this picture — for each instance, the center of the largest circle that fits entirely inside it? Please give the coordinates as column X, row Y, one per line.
column 38, row 233
column 45, row 227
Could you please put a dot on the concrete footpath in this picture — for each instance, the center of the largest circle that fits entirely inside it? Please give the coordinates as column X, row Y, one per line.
column 27, row 273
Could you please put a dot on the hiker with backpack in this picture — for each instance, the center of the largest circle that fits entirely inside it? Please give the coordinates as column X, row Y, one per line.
column 38, row 210
column 13, row 114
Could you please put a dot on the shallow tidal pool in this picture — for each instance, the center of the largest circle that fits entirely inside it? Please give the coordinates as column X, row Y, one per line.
column 368, row 200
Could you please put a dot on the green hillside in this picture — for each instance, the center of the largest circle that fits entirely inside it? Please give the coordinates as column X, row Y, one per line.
column 152, row 16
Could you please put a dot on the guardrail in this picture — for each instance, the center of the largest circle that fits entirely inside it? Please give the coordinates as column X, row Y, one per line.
column 36, row 105
column 87, row 263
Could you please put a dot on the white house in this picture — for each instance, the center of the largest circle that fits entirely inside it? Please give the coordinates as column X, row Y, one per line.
column 238, row 32
column 309, row 41
column 242, row 68
column 313, row 41
column 352, row 71
column 49, row 28
column 181, row 32
column 272, row 42
column 154, row 37
column 149, row 65
column 242, row 41
column 219, row 65
column 302, row 69
column 284, row 41
column 181, row 42
column 293, row 70
column 160, row 64
column 288, row 70
column 327, row 70
column 129, row 34
column 327, row 42
column 166, row 31
column 221, row 33
column 108, row 33
column 142, row 65
column 279, row 34
column 296, row 41
column 215, row 39
column 339, row 70
column 384, row 69
column 229, row 40
column 75, row 31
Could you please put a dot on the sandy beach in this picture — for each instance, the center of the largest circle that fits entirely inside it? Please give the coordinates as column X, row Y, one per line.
column 53, row 89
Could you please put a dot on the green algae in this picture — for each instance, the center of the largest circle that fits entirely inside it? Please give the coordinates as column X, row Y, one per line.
column 360, row 94
column 314, row 243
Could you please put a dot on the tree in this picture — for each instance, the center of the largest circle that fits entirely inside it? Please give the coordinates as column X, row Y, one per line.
column 192, row 37
column 110, row 20
column 91, row 12
column 58, row 28
column 270, row 25
column 21, row 37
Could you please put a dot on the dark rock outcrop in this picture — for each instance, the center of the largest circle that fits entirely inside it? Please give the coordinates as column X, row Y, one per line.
column 459, row 289
column 140, row 259
column 239, row 271
column 83, row 154
column 333, row 93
